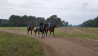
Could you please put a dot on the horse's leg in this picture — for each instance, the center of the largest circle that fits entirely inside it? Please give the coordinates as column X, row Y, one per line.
column 31, row 32
column 35, row 32
column 50, row 33
column 38, row 33
column 53, row 33
column 46, row 33
column 42, row 34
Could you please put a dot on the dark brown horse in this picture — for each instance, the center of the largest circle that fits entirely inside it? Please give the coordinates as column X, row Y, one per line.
column 46, row 29
column 31, row 28
column 52, row 29
column 40, row 30
column 37, row 30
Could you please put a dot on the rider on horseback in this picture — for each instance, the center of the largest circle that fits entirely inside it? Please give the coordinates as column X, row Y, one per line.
column 50, row 25
column 41, row 24
column 30, row 25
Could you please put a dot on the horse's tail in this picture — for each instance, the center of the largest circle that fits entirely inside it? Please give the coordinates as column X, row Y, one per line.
column 27, row 28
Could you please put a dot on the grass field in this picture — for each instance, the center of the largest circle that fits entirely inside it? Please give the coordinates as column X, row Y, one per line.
column 16, row 28
column 73, row 32
column 86, row 33
column 19, row 45
column 89, row 30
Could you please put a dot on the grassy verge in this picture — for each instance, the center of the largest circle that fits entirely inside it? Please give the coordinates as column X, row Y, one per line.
column 19, row 45
column 16, row 28
column 24, row 29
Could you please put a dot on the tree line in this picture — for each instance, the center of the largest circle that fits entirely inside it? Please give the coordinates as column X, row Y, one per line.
column 90, row 23
column 23, row 21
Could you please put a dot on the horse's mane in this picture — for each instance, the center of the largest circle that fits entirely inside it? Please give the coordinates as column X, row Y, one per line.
column 53, row 25
column 46, row 25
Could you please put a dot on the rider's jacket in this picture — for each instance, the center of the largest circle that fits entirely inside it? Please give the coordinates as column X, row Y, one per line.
column 40, row 24
column 30, row 24
column 50, row 24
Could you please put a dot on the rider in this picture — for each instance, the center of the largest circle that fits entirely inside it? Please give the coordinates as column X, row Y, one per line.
column 50, row 24
column 30, row 25
column 41, row 24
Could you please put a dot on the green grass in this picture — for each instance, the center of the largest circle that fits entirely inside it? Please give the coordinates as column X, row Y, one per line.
column 89, row 30
column 82, row 35
column 77, row 35
column 24, row 29
column 19, row 45
column 69, row 32
column 16, row 28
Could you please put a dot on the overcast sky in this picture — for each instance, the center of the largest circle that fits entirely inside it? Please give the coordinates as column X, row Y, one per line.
column 73, row 11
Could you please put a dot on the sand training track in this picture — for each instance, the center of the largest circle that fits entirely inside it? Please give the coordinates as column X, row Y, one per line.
column 64, row 46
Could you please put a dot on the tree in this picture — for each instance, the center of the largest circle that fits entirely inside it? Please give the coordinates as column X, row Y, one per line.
column 63, row 23
column 66, row 24
column 0, row 21
column 90, row 23
column 55, row 20
column 96, row 22
column 70, row 25
column 23, row 21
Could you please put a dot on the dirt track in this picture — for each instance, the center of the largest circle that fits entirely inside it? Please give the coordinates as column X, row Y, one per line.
column 64, row 46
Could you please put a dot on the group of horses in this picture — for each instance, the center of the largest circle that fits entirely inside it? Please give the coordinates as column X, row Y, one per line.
column 44, row 30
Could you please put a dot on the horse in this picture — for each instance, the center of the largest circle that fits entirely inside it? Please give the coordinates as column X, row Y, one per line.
column 36, row 31
column 40, row 30
column 31, row 28
column 46, row 29
column 52, row 29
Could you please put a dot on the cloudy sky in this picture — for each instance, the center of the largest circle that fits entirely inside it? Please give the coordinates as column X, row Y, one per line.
column 73, row 11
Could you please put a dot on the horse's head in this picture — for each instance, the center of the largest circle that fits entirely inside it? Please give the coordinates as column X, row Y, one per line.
column 46, row 25
column 55, row 25
column 32, row 26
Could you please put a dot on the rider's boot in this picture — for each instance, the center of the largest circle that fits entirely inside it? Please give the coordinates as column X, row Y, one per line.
column 29, row 27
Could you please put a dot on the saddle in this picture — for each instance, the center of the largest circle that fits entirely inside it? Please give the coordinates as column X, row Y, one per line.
column 39, row 28
column 49, row 27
